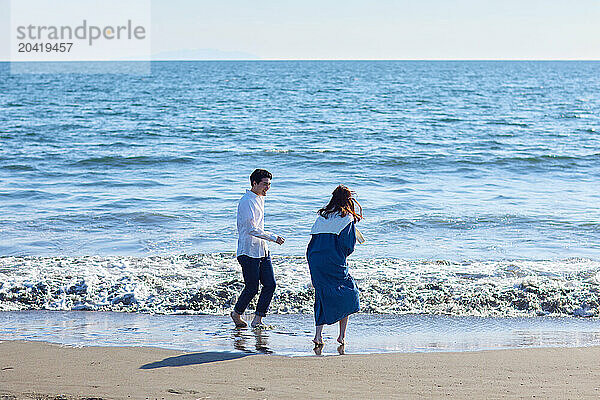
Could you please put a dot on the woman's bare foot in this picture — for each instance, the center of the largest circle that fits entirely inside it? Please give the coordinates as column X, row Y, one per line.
column 318, row 349
column 237, row 320
column 342, row 336
column 341, row 349
column 318, row 340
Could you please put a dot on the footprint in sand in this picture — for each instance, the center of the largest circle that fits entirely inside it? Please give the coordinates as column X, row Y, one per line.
column 257, row 388
column 182, row 391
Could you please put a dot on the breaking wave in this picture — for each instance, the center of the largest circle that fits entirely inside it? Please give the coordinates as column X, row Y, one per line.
column 210, row 284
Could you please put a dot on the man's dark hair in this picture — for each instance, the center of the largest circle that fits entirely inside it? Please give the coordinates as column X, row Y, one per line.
column 258, row 175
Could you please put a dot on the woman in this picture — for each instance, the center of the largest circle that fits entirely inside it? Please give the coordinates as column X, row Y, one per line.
column 333, row 237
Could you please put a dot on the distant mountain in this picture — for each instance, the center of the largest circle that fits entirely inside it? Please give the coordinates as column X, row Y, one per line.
column 203, row 54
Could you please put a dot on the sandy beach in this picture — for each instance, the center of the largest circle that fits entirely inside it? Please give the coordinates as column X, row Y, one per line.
column 37, row 370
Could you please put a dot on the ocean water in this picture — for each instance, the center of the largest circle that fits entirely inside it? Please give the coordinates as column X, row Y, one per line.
column 479, row 182
column 291, row 335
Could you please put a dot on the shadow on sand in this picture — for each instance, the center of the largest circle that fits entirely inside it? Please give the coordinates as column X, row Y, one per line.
column 193, row 359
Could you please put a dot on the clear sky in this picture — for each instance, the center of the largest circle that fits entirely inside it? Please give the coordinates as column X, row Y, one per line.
column 374, row 29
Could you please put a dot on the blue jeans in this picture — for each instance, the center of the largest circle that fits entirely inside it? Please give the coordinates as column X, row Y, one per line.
column 256, row 270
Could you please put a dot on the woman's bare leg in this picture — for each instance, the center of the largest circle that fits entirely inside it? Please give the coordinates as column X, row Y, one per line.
column 318, row 340
column 343, row 324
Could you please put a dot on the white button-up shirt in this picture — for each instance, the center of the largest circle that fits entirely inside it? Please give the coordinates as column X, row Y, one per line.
column 252, row 237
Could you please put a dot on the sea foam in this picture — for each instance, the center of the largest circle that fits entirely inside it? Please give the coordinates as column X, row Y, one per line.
column 210, row 284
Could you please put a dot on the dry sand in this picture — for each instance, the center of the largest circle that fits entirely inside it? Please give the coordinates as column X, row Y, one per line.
column 34, row 370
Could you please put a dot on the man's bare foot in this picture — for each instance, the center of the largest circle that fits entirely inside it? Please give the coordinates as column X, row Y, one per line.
column 237, row 320
column 341, row 349
column 256, row 322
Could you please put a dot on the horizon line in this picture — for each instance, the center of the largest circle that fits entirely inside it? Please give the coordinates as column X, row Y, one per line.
column 313, row 59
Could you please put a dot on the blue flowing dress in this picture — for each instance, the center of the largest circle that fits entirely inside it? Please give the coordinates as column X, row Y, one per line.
column 336, row 294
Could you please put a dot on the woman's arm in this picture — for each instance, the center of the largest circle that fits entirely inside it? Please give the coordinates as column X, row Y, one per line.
column 348, row 238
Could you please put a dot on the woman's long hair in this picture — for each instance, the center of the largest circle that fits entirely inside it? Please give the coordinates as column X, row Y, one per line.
column 342, row 202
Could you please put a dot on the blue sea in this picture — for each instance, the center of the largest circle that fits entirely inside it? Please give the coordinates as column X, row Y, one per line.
column 479, row 183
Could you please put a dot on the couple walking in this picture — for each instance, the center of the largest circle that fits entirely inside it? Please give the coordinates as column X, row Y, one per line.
column 333, row 237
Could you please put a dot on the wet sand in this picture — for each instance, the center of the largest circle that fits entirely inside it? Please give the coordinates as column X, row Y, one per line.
column 37, row 370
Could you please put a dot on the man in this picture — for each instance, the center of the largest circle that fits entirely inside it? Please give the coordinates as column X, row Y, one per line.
column 253, row 250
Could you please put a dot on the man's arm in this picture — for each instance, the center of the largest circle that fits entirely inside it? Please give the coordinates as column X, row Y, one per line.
column 248, row 218
column 259, row 233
